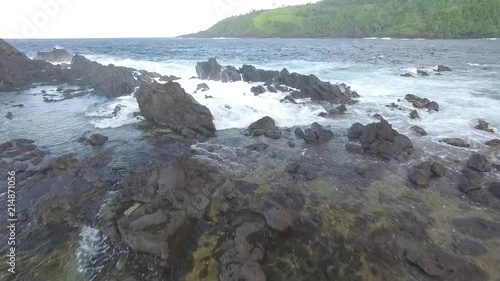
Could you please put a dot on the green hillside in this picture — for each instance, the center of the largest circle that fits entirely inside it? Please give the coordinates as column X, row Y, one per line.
column 368, row 18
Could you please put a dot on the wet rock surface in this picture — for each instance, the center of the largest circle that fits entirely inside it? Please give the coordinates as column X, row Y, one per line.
column 169, row 105
column 455, row 142
column 56, row 55
column 422, row 103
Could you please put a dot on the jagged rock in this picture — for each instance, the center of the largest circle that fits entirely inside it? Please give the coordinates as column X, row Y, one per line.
column 355, row 131
column 169, row 105
column 117, row 110
column 484, row 126
column 438, row 169
column 493, row 143
column 443, row 68
column 271, row 89
column 381, row 139
column 421, row 174
column 98, row 139
column 414, row 114
column 455, row 142
column 257, row 90
column 419, row 130
column 259, row 146
column 202, row 87
column 56, row 55
column 421, row 103
column 317, row 134
column 212, row 70
column 299, row 132
column 478, row 162
column 289, row 99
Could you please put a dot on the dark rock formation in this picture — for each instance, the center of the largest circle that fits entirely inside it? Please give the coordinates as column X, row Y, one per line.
column 169, row 105
column 438, row 169
column 478, row 162
column 264, row 126
column 455, row 142
column 355, row 131
column 9, row 115
column 381, row 139
column 419, row 130
column 98, row 139
column 421, row 103
column 494, row 188
column 56, row 55
column 259, row 146
column 110, row 81
column 484, row 126
column 407, row 74
column 117, row 110
column 308, row 85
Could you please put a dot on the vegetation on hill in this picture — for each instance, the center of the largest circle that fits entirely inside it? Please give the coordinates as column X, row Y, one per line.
column 368, row 18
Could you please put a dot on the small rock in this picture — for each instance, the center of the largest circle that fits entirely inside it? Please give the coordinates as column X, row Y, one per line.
column 338, row 110
column 377, row 116
column 354, row 148
column 419, row 130
column 422, row 73
column 421, row 174
column 230, row 196
column 291, row 144
column 407, row 74
column 299, row 132
column 494, row 188
column 257, row 90
column 355, row 131
column 224, row 208
column 493, row 143
column 208, row 97
column 202, row 87
column 18, row 105
column 443, row 68
column 98, row 139
column 273, row 134
column 292, row 167
column 414, row 114
column 455, row 142
column 278, row 219
column 259, row 146
column 9, row 115
column 478, row 162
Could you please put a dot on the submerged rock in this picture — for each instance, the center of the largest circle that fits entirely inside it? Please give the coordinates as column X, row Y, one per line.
column 56, row 55
column 9, row 115
column 422, row 72
column 414, row 114
column 278, row 219
column 455, row 142
column 407, row 74
column 169, row 105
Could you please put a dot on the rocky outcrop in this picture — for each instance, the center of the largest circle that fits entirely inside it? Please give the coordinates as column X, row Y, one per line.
column 308, row 86
column 382, row 140
column 443, row 68
column 422, row 103
column 316, row 134
column 169, row 105
column 56, row 55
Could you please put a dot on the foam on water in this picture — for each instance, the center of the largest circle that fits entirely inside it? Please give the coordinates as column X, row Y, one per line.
column 92, row 252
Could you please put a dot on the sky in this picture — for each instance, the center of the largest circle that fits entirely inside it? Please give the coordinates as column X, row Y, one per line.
column 125, row 18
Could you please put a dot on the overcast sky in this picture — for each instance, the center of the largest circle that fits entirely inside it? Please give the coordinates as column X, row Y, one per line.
column 120, row 18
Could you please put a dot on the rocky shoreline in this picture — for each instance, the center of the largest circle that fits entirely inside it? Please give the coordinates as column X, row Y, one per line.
column 263, row 203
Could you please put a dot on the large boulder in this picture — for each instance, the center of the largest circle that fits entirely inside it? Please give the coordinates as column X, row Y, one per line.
column 479, row 163
column 169, row 105
column 317, row 134
column 421, row 174
column 422, row 103
column 56, row 55
column 484, row 126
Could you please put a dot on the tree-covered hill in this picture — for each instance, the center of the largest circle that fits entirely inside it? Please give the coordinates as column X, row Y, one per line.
column 368, row 18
